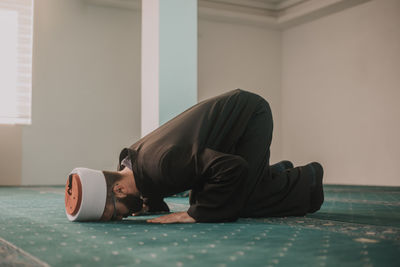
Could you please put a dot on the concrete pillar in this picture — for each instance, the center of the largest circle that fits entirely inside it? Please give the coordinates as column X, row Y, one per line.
column 169, row 60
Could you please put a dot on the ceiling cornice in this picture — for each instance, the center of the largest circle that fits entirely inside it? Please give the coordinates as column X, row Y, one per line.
column 273, row 14
column 123, row 4
column 269, row 5
column 282, row 15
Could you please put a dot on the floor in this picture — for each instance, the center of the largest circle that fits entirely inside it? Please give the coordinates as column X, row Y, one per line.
column 357, row 226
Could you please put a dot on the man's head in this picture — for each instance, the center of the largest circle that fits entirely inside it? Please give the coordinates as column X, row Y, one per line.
column 119, row 203
column 92, row 195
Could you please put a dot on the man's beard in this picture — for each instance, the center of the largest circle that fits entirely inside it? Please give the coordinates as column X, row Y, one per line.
column 133, row 203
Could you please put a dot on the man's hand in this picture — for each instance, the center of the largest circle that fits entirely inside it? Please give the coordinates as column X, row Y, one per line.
column 177, row 217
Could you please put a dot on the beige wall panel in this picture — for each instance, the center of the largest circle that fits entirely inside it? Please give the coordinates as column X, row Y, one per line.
column 232, row 55
column 341, row 92
column 86, row 89
column 10, row 154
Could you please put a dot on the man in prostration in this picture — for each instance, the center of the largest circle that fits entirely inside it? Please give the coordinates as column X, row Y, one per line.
column 218, row 149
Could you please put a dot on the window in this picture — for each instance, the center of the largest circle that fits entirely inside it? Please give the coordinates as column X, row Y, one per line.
column 16, row 23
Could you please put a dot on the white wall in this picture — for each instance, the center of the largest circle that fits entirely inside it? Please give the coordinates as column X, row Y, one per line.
column 233, row 55
column 86, row 89
column 341, row 92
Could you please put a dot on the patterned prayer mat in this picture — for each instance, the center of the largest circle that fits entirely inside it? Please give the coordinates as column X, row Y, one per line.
column 357, row 226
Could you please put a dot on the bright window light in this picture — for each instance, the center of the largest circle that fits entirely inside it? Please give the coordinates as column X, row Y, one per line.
column 15, row 61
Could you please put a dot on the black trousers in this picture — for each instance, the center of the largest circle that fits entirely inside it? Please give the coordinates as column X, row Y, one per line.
column 284, row 193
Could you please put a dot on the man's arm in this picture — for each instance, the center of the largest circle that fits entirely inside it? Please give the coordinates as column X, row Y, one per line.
column 219, row 197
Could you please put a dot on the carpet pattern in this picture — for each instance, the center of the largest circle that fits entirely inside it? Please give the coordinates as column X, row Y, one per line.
column 357, row 226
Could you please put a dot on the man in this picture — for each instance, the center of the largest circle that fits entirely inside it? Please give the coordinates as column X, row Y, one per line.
column 218, row 149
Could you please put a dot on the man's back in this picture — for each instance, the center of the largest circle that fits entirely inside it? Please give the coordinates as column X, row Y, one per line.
column 182, row 153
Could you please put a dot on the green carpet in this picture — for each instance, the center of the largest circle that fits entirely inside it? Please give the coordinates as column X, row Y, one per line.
column 357, row 226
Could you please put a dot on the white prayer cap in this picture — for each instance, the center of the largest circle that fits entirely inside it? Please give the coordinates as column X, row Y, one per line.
column 85, row 195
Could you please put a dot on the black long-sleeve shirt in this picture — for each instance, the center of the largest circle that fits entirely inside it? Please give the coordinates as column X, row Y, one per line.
column 196, row 150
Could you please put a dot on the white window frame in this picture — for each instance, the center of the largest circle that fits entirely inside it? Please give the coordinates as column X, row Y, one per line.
column 16, row 33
